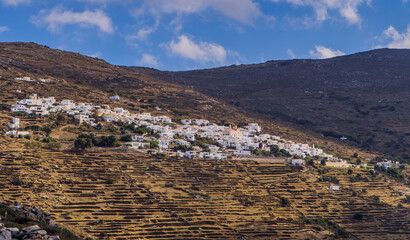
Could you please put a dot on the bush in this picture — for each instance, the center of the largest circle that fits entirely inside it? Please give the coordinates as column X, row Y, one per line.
column 110, row 181
column 358, row 216
column 394, row 173
column 182, row 148
column 331, row 179
column 47, row 130
column 284, row 201
column 84, row 141
column 47, row 139
column 126, row 138
column 55, row 145
column 327, row 224
column 33, row 145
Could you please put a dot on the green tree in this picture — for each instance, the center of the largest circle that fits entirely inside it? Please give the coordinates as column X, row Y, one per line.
column 83, row 143
column 126, row 138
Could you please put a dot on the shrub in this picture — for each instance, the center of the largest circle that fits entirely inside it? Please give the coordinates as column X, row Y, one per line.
column 284, row 201
column 47, row 139
column 327, row 224
column 33, row 144
column 110, row 181
column 358, row 216
column 126, row 138
column 55, row 145
column 331, row 179
column 47, row 130
column 83, row 143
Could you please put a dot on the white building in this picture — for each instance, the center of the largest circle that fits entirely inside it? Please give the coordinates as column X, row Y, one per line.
column 15, row 124
column 386, row 165
column 334, row 188
column 137, row 145
column 297, row 162
column 116, row 97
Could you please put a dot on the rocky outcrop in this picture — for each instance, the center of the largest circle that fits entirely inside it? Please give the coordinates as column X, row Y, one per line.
column 30, row 232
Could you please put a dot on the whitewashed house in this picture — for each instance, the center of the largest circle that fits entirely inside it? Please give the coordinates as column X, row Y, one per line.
column 137, row 145
column 334, row 188
column 386, row 165
column 297, row 162
column 15, row 124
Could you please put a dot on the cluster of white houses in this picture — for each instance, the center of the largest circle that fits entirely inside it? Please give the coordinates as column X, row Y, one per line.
column 229, row 141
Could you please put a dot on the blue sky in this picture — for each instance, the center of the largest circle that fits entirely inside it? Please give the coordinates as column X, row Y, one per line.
column 193, row 34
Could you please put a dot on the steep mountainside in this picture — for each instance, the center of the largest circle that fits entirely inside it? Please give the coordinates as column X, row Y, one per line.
column 364, row 97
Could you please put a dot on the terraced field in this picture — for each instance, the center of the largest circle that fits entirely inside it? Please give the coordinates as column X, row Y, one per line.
column 119, row 195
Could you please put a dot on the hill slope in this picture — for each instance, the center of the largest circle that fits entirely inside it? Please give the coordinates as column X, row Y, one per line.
column 83, row 78
column 113, row 193
column 364, row 95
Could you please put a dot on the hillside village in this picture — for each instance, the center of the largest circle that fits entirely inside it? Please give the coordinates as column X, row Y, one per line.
column 171, row 136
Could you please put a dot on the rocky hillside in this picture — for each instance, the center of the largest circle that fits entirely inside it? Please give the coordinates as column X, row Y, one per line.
column 363, row 96
column 117, row 193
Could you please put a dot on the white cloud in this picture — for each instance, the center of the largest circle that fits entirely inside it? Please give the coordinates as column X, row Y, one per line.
column 348, row 9
column 4, row 29
column 147, row 60
column 14, row 2
column 200, row 52
column 398, row 40
column 57, row 17
column 322, row 52
column 291, row 53
column 141, row 35
column 244, row 11
column 95, row 55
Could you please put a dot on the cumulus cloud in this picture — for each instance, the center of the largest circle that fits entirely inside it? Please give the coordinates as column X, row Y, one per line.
column 200, row 52
column 3, row 29
column 398, row 40
column 55, row 18
column 348, row 9
column 291, row 53
column 322, row 52
column 244, row 11
column 147, row 60
column 14, row 2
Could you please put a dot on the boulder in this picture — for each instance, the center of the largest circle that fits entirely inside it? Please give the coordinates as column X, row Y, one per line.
column 31, row 228
column 42, row 232
column 14, row 231
column 5, row 235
